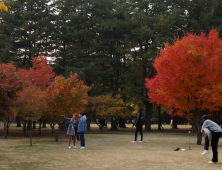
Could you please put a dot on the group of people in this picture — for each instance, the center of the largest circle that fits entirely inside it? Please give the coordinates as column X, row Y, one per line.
column 77, row 125
column 211, row 129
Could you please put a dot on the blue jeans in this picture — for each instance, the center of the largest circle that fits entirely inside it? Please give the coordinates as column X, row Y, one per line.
column 82, row 139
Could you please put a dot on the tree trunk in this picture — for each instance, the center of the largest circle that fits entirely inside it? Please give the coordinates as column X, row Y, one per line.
column 175, row 122
column 56, row 136
column 159, row 117
column 43, row 125
column 40, row 130
column 101, row 129
column 29, row 125
column 33, row 125
column 24, row 128
column 31, row 133
column 18, row 121
column 8, row 124
column 114, row 123
column 5, row 129
column 199, row 134
column 88, row 121
column 122, row 123
column 148, row 117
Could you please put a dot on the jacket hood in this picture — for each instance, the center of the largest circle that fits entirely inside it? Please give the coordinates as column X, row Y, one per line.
column 84, row 117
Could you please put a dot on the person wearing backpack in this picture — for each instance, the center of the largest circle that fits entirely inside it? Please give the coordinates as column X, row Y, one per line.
column 139, row 126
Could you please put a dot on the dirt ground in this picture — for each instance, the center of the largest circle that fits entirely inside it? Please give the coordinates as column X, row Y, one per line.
column 110, row 150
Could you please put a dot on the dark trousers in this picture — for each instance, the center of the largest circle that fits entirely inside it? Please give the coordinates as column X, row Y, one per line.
column 206, row 144
column 77, row 134
column 214, row 143
column 82, row 139
column 139, row 128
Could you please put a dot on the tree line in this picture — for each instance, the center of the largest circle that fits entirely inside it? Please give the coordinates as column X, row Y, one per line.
column 110, row 44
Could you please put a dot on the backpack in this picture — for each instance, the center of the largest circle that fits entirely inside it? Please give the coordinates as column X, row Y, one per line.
column 67, row 124
column 142, row 120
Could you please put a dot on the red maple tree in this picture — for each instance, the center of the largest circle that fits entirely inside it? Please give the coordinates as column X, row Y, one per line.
column 189, row 75
column 10, row 85
column 40, row 74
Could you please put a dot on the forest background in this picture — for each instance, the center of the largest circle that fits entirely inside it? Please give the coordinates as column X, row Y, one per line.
column 111, row 45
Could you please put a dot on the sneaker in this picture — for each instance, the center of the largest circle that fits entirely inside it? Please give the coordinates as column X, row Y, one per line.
column 133, row 141
column 82, row 147
column 211, row 162
column 140, row 141
column 74, row 146
column 69, row 147
column 205, row 152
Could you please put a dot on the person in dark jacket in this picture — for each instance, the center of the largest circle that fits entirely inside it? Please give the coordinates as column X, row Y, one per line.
column 139, row 126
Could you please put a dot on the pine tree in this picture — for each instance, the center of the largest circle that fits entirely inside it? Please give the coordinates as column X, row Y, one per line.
column 204, row 16
column 26, row 30
column 153, row 22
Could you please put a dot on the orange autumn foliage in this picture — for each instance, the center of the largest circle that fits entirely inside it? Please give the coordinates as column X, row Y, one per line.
column 66, row 96
column 107, row 105
column 189, row 74
column 10, row 85
column 32, row 102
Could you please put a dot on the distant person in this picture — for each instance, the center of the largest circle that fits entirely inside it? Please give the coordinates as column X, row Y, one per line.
column 133, row 122
column 106, row 124
column 81, row 129
column 171, row 123
column 139, row 126
column 216, row 133
column 71, row 129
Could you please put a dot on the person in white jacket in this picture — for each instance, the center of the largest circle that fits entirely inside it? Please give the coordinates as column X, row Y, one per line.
column 208, row 138
column 216, row 133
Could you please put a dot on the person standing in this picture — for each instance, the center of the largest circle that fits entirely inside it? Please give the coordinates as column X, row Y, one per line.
column 133, row 122
column 139, row 126
column 76, row 126
column 216, row 133
column 71, row 129
column 81, row 129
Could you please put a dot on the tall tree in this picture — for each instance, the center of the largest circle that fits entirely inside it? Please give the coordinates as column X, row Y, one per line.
column 26, row 30
column 204, row 16
column 31, row 104
column 152, row 23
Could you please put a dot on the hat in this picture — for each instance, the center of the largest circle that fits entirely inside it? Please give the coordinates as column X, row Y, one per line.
column 140, row 112
column 201, row 122
column 205, row 117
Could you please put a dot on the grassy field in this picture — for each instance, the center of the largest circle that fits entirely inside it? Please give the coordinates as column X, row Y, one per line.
column 110, row 150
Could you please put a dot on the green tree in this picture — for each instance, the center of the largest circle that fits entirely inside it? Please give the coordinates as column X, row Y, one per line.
column 151, row 23
column 204, row 16
column 25, row 30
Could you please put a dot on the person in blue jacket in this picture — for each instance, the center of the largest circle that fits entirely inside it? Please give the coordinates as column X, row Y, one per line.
column 81, row 129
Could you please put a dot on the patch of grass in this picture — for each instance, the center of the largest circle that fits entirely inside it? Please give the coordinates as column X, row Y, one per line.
column 111, row 150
